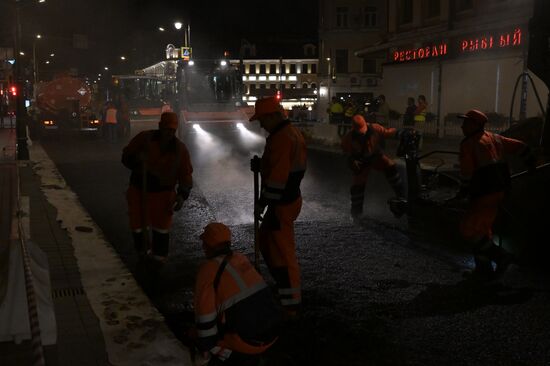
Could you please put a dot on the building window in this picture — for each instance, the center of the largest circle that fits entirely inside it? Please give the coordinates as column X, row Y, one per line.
column 314, row 68
column 433, row 8
column 309, row 50
column 369, row 66
column 370, row 15
column 252, row 87
column 293, row 68
column 313, row 85
column 272, row 86
column 273, row 69
column 462, row 5
column 292, row 86
column 262, row 68
column 405, row 11
column 252, row 69
column 262, row 86
column 341, row 61
column 304, row 85
column 342, row 17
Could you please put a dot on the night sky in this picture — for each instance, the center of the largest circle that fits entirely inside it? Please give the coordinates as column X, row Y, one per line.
column 130, row 27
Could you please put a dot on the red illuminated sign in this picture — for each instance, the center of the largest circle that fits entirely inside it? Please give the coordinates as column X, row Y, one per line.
column 488, row 42
column 465, row 45
column 420, row 53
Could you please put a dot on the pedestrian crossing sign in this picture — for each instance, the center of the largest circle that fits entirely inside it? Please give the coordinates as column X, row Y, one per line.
column 186, row 53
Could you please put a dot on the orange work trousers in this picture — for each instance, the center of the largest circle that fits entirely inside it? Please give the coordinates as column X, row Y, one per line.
column 158, row 208
column 278, row 247
column 480, row 216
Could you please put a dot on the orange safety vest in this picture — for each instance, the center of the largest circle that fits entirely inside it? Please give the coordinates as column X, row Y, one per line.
column 233, row 296
column 283, row 164
column 165, row 169
column 366, row 146
column 481, row 161
column 110, row 116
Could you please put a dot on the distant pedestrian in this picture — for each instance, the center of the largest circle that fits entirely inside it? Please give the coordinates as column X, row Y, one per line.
column 110, row 123
column 408, row 117
column 336, row 111
column 383, row 111
column 420, row 118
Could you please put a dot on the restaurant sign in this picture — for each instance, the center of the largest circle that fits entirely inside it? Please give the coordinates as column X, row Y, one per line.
column 459, row 46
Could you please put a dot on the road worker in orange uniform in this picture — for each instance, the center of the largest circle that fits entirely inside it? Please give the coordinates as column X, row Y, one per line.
column 159, row 162
column 237, row 318
column 283, row 166
column 485, row 177
column 363, row 146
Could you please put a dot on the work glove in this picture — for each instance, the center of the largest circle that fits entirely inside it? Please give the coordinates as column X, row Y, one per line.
column 178, row 204
column 259, row 209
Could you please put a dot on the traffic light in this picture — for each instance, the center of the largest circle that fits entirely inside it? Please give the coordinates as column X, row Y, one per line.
column 279, row 95
column 13, row 90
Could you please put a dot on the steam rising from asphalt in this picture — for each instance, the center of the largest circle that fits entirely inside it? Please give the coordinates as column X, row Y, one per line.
column 223, row 172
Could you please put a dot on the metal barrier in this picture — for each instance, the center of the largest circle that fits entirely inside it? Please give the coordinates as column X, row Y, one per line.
column 36, row 341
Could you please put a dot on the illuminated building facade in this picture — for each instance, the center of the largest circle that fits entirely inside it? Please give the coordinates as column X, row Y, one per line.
column 460, row 54
column 293, row 77
column 344, row 27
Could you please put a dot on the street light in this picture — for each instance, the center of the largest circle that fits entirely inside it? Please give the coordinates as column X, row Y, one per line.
column 21, row 113
column 161, row 29
column 187, row 33
column 123, row 58
column 34, row 66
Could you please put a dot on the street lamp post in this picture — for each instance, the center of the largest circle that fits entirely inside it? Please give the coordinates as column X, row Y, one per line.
column 21, row 115
column 34, row 65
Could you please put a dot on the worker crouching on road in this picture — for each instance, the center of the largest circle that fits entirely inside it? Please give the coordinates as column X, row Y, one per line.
column 485, row 177
column 159, row 161
column 283, row 166
column 363, row 146
column 236, row 315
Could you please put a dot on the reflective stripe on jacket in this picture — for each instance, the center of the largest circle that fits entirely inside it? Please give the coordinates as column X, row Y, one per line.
column 283, row 164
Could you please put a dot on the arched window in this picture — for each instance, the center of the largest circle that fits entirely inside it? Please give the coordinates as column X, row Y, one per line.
column 304, row 85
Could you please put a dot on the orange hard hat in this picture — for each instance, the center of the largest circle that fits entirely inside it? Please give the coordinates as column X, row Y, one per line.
column 475, row 116
column 359, row 124
column 266, row 106
column 169, row 120
column 215, row 234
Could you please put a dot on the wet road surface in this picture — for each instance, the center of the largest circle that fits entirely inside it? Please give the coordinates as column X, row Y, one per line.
column 373, row 292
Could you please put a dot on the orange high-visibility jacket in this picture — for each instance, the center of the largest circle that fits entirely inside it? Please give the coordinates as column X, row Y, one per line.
column 481, row 161
column 283, row 164
column 368, row 145
column 165, row 169
column 110, row 115
column 233, row 317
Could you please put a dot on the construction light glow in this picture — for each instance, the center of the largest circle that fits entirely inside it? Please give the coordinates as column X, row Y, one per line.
column 191, row 63
column 249, row 137
column 202, row 135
